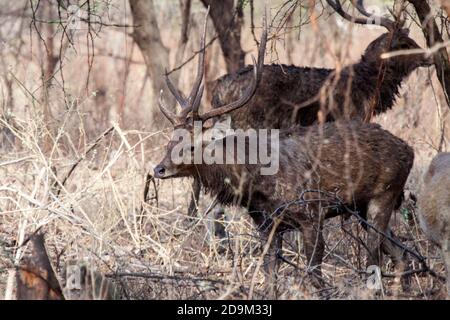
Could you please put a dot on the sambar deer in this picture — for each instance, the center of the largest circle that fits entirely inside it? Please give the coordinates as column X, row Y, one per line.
column 434, row 207
column 364, row 165
column 291, row 95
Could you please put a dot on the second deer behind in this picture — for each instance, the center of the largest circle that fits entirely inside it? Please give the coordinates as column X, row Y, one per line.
column 361, row 165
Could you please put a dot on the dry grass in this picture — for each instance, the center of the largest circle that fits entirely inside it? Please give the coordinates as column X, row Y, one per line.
column 151, row 249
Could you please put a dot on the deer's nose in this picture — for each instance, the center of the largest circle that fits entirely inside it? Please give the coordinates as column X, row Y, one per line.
column 159, row 171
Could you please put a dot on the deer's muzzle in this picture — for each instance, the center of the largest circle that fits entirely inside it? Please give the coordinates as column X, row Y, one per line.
column 159, row 172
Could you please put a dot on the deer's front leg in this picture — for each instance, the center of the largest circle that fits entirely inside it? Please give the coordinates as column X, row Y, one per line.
column 314, row 247
column 271, row 238
column 195, row 196
column 272, row 262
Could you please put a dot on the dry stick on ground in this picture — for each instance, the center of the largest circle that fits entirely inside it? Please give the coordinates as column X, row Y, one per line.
column 432, row 35
column 36, row 279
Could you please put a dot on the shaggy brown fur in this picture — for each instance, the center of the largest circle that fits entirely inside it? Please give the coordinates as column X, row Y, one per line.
column 434, row 207
column 291, row 95
column 362, row 164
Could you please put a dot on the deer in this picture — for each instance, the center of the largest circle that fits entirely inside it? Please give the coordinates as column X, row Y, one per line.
column 295, row 95
column 364, row 164
column 291, row 95
column 434, row 207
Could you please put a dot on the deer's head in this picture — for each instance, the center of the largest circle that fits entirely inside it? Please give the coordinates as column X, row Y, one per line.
column 185, row 148
column 395, row 40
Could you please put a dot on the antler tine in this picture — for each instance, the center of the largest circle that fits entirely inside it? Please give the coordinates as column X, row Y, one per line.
column 257, row 71
column 262, row 46
column 176, row 93
column 169, row 114
column 197, row 101
column 359, row 5
column 195, row 92
column 387, row 23
column 336, row 5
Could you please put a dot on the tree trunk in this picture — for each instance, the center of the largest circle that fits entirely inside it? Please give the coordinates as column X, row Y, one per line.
column 185, row 9
column 433, row 36
column 147, row 36
column 48, row 69
column 36, row 279
column 228, row 24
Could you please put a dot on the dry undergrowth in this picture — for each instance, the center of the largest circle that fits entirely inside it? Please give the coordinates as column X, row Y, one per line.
column 87, row 195
column 152, row 249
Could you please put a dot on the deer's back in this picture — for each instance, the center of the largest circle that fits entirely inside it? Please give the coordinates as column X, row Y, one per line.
column 434, row 200
column 280, row 93
column 289, row 95
column 357, row 161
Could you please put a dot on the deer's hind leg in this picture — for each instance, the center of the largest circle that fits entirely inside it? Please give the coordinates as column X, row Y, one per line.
column 378, row 215
column 397, row 254
column 445, row 250
column 311, row 225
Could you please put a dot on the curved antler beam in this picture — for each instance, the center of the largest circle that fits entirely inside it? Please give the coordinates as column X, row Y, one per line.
column 368, row 19
column 166, row 112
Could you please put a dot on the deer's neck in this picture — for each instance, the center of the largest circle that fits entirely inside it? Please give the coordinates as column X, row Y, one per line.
column 226, row 182
column 381, row 82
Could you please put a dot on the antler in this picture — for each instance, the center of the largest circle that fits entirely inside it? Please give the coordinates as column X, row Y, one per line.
column 193, row 100
column 192, row 103
column 172, row 117
column 359, row 5
column 250, row 92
